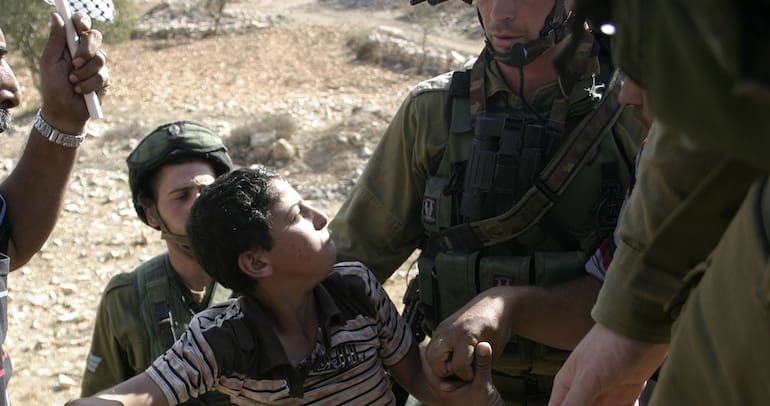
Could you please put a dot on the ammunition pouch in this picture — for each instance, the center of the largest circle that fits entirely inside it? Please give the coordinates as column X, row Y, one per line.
column 450, row 280
column 506, row 156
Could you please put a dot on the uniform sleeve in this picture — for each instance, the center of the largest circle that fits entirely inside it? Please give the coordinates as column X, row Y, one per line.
column 116, row 341
column 188, row 369
column 636, row 291
column 379, row 224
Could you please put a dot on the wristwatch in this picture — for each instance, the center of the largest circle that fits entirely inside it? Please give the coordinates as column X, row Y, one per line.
column 56, row 136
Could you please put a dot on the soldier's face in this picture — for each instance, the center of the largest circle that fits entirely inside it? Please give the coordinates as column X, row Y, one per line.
column 509, row 22
column 10, row 95
column 177, row 188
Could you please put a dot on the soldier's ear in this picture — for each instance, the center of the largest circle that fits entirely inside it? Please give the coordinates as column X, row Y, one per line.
column 255, row 263
column 150, row 216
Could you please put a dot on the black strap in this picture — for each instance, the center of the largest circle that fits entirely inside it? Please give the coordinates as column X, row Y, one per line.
column 164, row 324
column 546, row 191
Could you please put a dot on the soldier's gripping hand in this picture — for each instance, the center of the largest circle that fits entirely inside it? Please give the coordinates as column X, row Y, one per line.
column 449, row 354
column 606, row 369
column 65, row 79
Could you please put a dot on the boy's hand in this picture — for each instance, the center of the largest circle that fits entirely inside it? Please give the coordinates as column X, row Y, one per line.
column 479, row 391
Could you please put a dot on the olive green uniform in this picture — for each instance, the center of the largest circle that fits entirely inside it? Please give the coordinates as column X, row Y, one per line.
column 692, row 263
column 384, row 219
column 128, row 336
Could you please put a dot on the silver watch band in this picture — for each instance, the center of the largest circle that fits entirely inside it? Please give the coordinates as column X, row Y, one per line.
column 56, row 136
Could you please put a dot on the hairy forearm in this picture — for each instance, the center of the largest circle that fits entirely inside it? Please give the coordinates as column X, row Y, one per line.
column 139, row 390
column 558, row 316
column 34, row 192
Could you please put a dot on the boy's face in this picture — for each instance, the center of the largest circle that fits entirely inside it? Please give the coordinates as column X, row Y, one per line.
column 301, row 240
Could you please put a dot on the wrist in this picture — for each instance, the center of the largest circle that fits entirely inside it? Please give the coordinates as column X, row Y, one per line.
column 506, row 300
column 56, row 135
column 64, row 122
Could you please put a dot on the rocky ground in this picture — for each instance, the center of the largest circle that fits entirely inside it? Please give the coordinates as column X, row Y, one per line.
column 283, row 87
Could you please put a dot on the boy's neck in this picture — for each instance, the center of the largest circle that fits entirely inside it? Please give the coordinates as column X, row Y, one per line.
column 295, row 319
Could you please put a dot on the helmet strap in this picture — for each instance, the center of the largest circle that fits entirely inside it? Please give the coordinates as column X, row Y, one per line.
column 181, row 241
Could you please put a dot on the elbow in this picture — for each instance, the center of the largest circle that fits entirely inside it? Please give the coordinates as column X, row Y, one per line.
column 19, row 257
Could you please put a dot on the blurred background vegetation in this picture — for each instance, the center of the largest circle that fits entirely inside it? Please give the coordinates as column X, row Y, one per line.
column 25, row 25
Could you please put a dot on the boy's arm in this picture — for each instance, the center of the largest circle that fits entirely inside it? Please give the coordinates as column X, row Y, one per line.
column 409, row 373
column 140, row 390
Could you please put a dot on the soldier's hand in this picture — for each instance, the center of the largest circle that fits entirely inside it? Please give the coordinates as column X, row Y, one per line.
column 606, row 369
column 65, row 79
column 450, row 350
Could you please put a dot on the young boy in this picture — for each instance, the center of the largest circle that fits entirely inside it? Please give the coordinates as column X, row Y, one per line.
column 304, row 330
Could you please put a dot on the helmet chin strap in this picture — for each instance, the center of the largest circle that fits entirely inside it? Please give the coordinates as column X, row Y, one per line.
column 181, row 241
column 520, row 55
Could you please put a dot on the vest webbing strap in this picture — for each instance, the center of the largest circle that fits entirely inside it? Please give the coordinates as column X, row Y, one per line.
column 156, row 284
column 546, row 190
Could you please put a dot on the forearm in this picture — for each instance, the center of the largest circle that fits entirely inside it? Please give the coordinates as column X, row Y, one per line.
column 34, row 192
column 558, row 316
column 140, row 390
column 412, row 376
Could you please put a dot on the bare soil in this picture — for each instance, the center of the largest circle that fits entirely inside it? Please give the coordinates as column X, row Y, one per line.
column 299, row 68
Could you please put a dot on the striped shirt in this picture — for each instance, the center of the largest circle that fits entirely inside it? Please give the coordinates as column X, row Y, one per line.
column 233, row 349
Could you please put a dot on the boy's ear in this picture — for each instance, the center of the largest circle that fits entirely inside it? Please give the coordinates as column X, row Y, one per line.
column 255, row 263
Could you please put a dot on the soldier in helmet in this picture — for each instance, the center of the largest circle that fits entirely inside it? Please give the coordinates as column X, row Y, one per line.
column 690, row 280
column 507, row 174
column 143, row 312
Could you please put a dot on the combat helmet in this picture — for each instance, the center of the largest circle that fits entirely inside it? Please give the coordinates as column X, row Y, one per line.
column 169, row 143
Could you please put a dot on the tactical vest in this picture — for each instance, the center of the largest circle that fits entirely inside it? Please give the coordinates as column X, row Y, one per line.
column 518, row 201
column 167, row 310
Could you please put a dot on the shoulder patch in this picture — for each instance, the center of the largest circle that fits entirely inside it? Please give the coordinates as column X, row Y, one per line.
column 440, row 82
